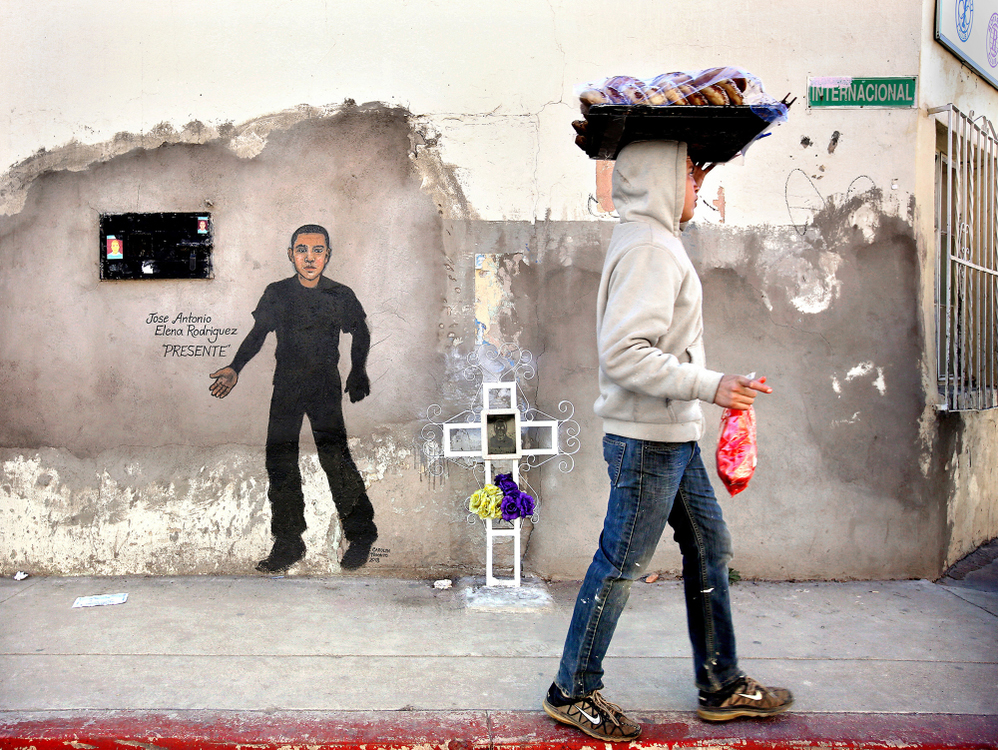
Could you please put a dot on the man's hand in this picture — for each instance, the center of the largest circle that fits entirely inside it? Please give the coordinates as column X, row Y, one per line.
column 739, row 391
column 358, row 386
column 225, row 381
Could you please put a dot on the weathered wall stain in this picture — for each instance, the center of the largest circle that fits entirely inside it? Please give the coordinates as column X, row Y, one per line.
column 842, row 297
column 383, row 218
column 178, row 510
column 869, row 315
column 246, row 140
column 118, row 458
column 837, row 491
column 115, row 460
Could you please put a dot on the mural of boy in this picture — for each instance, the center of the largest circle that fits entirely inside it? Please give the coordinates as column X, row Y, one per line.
column 307, row 312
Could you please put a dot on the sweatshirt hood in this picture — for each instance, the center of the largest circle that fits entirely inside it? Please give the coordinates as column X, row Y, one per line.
column 649, row 183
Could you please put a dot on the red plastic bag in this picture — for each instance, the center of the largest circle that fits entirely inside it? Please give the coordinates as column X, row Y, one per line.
column 736, row 449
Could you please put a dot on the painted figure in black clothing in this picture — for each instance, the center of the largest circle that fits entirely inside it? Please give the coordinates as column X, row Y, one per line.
column 307, row 313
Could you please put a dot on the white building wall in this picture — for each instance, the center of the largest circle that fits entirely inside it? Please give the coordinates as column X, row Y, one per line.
column 498, row 82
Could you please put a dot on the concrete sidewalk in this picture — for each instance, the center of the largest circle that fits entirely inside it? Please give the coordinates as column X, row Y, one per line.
column 350, row 662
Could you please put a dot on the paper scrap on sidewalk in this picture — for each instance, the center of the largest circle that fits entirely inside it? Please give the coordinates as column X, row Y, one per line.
column 100, row 600
column 20, row 575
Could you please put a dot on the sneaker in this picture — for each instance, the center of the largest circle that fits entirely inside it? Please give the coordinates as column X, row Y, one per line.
column 745, row 698
column 284, row 554
column 593, row 714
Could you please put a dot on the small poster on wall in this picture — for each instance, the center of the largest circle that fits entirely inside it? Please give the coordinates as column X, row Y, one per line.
column 114, row 248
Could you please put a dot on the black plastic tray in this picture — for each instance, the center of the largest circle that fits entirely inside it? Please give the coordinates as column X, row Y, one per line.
column 712, row 133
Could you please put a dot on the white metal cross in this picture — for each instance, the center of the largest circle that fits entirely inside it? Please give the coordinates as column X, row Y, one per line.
column 501, row 435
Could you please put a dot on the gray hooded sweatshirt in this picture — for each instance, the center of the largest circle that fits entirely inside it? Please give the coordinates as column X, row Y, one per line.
column 649, row 320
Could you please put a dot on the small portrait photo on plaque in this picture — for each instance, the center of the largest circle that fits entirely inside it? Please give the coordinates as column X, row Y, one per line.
column 502, row 431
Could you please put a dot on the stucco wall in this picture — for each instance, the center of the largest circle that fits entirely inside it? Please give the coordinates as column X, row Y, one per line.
column 813, row 249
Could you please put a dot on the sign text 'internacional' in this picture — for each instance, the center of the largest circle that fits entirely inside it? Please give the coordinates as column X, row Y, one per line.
column 837, row 91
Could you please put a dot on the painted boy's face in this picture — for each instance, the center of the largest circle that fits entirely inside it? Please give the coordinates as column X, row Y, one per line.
column 309, row 255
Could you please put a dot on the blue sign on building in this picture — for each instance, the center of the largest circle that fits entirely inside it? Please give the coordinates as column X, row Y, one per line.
column 969, row 29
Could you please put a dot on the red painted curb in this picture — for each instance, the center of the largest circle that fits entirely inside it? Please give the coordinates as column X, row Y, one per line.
column 791, row 730
column 471, row 730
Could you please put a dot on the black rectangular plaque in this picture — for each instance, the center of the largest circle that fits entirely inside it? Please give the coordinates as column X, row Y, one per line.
column 156, row 246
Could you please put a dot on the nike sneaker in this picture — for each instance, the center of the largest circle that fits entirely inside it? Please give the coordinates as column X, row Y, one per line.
column 592, row 713
column 746, row 697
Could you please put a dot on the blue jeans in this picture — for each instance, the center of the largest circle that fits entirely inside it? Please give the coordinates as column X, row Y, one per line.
column 650, row 484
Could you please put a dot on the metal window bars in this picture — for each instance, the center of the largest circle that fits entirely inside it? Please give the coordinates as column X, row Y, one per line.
column 966, row 224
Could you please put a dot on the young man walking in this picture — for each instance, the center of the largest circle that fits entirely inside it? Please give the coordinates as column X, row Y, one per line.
column 652, row 379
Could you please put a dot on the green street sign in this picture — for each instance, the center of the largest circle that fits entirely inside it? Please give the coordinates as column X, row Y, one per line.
column 839, row 91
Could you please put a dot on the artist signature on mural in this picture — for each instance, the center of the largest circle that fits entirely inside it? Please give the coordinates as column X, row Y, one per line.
column 189, row 325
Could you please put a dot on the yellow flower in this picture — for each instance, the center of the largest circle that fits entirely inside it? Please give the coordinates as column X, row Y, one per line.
column 487, row 502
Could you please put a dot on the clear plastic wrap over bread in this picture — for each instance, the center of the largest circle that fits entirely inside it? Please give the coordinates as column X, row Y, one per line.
column 717, row 112
column 711, row 87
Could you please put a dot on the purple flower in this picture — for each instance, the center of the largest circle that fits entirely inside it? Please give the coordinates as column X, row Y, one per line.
column 511, row 506
column 505, row 483
column 517, row 505
column 527, row 505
